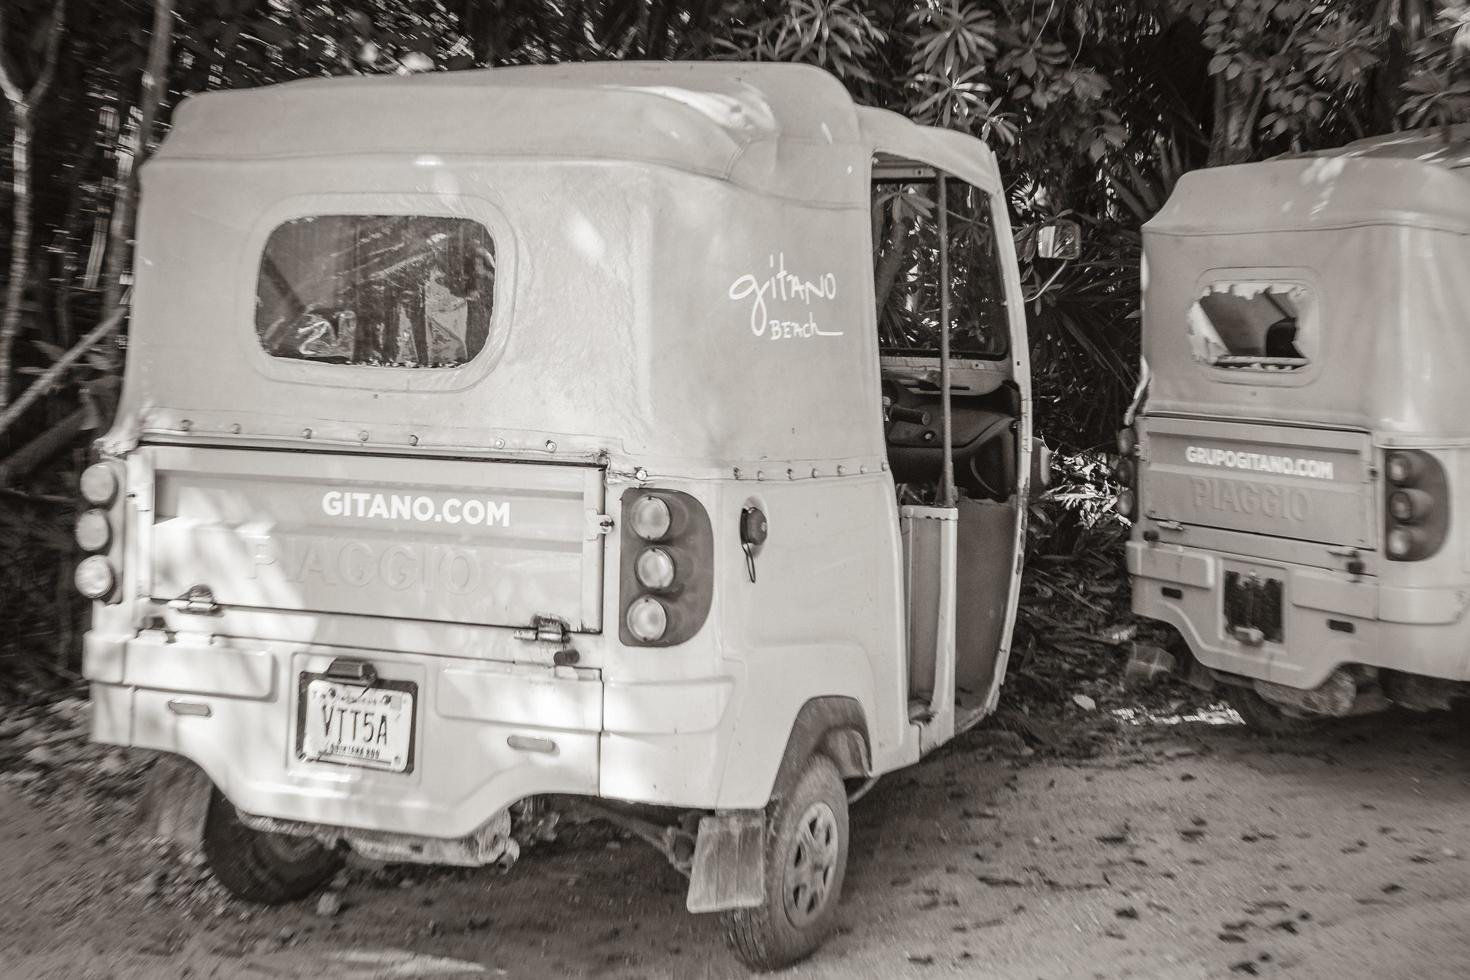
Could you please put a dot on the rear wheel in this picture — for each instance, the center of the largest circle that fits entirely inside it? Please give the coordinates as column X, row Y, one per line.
column 262, row 867
column 806, row 861
column 1262, row 716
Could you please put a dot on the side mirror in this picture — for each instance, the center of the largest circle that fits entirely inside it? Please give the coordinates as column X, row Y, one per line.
column 1059, row 239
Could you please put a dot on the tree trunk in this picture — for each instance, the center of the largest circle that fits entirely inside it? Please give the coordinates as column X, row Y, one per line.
column 1232, row 136
column 23, row 103
column 20, row 242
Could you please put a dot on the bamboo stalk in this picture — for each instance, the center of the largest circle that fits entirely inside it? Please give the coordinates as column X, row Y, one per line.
column 154, row 84
column 53, row 374
column 23, row 103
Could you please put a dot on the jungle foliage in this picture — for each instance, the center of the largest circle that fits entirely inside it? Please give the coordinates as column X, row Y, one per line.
column 1094, row 106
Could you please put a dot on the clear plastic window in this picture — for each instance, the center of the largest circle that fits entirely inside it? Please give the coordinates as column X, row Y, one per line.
column 379, row 290
column 906, row 269
column 1257, row 326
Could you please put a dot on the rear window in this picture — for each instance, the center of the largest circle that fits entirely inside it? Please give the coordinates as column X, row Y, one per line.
column 1254, row 326
column 377, row 290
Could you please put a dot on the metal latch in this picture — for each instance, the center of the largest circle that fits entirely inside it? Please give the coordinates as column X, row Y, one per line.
column 544, row 629
column 199, row 600
column 598, row 525
column 1355, row 565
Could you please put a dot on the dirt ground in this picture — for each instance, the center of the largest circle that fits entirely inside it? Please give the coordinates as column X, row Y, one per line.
column 1189, row 849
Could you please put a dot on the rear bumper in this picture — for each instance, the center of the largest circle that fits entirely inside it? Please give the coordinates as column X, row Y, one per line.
column 231, row 709
column 1418, row 631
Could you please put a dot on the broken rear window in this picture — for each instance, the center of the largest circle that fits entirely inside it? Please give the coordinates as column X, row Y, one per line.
column 378, row 290
column 1256, row 326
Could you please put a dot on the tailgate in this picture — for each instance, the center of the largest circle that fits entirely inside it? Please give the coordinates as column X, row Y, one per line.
column 481, row 542
column 1286, row 481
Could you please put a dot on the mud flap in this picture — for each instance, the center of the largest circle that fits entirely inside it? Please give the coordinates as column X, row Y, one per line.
column 729, row 867
column 175, row 802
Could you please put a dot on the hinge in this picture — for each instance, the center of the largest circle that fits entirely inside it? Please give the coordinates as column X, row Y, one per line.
column 199, row 599
column 598, row 525
column 544, row 629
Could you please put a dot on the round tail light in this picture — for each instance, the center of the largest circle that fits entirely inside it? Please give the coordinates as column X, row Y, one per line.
column 1410, row 506
column 655, row 569
column 95, row 578
column 1402, row 468
column 99, row 484
column 651, row 518
column 93, row 532
column 1400, row 542
column 647, row 619
column 1126, row 503
column 1127, row 442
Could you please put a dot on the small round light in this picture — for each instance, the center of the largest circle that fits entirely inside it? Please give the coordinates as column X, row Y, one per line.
column 655, row 569
column 94, row 577
column 99, row 484
column 1400, row 542
column 93, row 531
column 1410, row 506
column 1401, row 507
column 1125, row 503
column 1127, row 442
column 1125, row 471
column 1402, row 468
column 651, row 518
column 647, row 619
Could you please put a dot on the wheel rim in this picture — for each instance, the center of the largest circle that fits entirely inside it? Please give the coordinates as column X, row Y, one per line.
column 811, row 865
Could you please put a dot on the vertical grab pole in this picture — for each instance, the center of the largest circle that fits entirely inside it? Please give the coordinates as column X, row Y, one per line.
column 947, row 493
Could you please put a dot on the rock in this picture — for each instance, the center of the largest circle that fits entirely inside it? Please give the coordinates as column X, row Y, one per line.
column 1005, row 743
column 41, row 756
column 329, row 903
column 1084, row 702
column 149, row 887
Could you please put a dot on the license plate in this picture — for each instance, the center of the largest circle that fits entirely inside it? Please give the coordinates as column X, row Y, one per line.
column 353, row 725
column 1254, row 603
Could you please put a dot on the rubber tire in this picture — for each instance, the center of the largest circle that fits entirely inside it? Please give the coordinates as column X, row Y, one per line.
column 1264, row 717
column 255, row 866
column 764, row 938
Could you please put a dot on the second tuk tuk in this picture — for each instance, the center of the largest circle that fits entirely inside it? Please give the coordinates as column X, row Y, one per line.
column 640, row 442
column 1298, row 458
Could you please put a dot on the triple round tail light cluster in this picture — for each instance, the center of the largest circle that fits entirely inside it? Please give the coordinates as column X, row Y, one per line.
column 1125, row 471
column 95, row 577
column 1418, row 505
column 667, row 568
